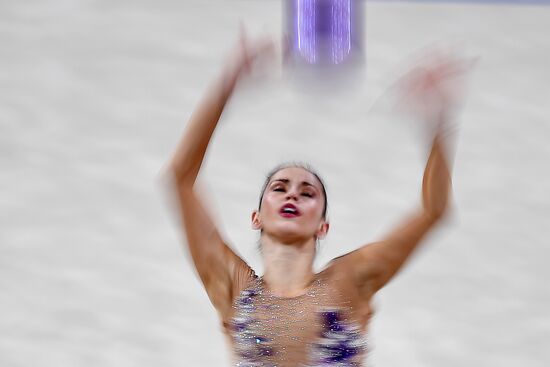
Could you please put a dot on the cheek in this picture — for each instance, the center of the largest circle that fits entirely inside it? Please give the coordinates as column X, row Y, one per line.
column 268, row 205
column 315, row 209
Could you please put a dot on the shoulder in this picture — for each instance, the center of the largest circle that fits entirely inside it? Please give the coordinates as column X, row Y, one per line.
column 224, row 294
column 241, row 278
column 350, row 269
column 340, row 273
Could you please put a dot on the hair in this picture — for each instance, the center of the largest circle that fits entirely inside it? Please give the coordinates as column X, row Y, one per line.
column 301, row 165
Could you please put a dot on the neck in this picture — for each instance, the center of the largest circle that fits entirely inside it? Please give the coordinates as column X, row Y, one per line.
column 288, row 266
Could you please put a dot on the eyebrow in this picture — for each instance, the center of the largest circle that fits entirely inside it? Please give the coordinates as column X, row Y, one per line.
column 286, row 180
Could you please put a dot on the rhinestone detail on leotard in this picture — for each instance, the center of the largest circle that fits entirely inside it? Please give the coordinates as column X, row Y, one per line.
column 304, row 331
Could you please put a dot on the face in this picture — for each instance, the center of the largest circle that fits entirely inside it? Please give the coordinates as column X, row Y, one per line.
column 292, row 206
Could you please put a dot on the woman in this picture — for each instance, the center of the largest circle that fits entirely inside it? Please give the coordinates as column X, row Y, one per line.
column 292, row 316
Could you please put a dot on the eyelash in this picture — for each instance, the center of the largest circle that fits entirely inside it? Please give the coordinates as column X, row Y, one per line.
column 280, row 189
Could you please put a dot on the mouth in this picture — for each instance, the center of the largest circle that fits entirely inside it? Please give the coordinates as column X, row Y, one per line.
column 289, row 211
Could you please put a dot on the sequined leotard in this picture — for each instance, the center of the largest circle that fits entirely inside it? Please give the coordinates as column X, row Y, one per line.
column 324, row 327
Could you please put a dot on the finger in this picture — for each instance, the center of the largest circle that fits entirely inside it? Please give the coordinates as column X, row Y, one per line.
column 242, row 33
column 243, row 46
column 264, row 45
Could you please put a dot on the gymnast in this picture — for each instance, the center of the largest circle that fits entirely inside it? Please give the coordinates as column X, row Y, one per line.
column 292, row 316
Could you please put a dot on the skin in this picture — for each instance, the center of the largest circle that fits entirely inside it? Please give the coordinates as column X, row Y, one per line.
column 289, row 243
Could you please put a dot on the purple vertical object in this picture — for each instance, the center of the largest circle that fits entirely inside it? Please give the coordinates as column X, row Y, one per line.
column 304, row 29
column 324, row 31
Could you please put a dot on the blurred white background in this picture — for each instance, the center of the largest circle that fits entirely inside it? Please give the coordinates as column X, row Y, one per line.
column 94, row 96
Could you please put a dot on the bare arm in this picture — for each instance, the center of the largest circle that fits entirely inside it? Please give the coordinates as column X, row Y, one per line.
column 375, row 264
column 190, row 153
column 213, row 258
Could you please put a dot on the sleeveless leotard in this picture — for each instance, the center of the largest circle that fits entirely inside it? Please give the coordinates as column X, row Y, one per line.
column 324, row 327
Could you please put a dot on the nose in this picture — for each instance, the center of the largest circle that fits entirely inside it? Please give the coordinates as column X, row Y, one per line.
column 292, row 194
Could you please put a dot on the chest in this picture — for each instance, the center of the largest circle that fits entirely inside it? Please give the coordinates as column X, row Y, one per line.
column 313, row 330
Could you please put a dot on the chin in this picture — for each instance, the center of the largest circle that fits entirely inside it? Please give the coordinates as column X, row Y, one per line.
column 290, row 232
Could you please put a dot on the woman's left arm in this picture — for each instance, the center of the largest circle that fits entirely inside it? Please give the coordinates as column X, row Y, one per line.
column 432, row 92
column 375, row 264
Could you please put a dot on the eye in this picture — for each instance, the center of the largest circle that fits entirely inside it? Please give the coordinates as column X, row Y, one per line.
column 278, row 188
column 307, row 194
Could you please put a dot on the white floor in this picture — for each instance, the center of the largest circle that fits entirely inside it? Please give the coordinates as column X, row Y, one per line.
column 93, row 99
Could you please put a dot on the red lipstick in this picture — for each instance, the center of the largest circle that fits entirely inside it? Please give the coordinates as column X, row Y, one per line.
column 289, row 211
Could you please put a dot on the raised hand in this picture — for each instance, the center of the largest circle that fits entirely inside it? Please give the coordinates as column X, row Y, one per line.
column 245, row 55
column 431, row 91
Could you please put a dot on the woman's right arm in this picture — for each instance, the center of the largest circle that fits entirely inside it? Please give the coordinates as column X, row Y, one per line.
column 214, row 260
